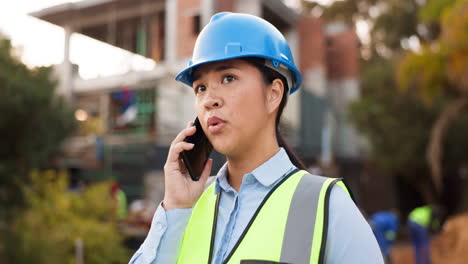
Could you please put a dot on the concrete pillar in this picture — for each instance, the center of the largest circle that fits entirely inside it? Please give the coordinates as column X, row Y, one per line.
column 253, row 7
column 326, row 149
column 207, row 11
column 171, row 31
column 67, row 70
column 79, row 251
column 153, row 182
column 104, row 105
column 112, row 26
column 342, row 94
column 343, row 85
column 292, row 36
column 174, row 109
column 292, row 111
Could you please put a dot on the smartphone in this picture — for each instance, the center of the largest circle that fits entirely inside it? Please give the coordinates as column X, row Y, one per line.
column 196, row 158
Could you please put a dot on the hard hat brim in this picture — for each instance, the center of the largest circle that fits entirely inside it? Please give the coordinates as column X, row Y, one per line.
column 185, row 76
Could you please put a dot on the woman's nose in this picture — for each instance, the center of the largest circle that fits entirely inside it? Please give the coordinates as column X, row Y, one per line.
column 213, row 101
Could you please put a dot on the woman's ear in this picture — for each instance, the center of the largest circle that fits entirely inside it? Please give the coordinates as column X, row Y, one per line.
column 275, row 94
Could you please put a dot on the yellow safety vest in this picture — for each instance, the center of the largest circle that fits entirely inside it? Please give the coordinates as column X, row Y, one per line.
column 421, row 215
column 288, row 226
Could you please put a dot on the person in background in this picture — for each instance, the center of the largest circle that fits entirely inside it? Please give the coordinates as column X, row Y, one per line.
column 120, row 201
column 421, row 222
column 385, row 226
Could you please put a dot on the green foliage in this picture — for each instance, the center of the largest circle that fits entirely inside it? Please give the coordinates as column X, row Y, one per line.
column 433, row 9
column 425, row 69
column 397, row 20
column 442, row 65
column 341, row 11
column 344, row 11
column 389, row 21
column 454, row 39
column 403, row 93
column 398, row 124
column 33, row 122
column 47, row 230
column 387, row 119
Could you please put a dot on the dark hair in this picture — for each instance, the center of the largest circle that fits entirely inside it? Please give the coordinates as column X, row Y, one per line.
column 269, row 75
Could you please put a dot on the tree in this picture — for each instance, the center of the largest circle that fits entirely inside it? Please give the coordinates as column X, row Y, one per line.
column 390, row 21
column 398, row 124
column 440, row 67
column 33, row 123
column 47, row 231
column 43, row 217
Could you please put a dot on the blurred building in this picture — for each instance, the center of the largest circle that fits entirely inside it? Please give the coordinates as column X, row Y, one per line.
column 136, row 115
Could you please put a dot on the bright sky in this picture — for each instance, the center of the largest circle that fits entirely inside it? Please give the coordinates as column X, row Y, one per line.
column 39, row 43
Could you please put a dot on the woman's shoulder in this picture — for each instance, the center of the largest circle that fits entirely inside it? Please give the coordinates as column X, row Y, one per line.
column 343, row 209
column 340, row 198
column 350, row 238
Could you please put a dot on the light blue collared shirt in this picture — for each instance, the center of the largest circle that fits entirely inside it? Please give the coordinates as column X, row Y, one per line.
column 350, row 239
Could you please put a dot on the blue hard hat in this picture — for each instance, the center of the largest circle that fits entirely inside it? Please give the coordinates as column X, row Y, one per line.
column 234, row 35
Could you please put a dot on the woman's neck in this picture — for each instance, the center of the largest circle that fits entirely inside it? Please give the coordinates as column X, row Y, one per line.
column 250, row 159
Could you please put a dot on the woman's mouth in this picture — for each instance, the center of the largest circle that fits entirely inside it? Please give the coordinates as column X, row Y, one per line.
column 215, row 124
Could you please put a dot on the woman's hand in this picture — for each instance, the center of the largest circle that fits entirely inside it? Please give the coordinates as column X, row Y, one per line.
column 180, row 190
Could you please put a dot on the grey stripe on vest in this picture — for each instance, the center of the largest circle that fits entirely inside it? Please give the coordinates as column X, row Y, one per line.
column 297, row 241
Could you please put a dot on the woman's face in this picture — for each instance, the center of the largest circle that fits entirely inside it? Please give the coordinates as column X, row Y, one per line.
column 231, row 104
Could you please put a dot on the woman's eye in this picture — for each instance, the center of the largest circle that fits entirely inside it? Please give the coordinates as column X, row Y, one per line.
column 200, row 88
column 228, row 78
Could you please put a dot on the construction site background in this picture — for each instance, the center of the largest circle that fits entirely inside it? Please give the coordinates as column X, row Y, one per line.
column 384, row 105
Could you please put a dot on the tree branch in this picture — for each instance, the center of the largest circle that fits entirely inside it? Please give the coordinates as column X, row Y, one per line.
column 434, row 150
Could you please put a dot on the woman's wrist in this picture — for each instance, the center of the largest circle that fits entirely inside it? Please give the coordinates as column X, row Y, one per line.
column 167, row 205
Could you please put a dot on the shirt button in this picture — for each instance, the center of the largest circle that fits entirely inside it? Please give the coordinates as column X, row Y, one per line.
column 159, row 226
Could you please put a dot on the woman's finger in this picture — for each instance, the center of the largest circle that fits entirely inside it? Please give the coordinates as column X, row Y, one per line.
column 175, row 150
column 183, row 134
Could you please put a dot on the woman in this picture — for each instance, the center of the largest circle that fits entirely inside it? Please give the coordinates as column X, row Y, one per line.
column 261, row 207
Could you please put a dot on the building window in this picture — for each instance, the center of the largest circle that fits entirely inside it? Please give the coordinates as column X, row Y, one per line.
column 196, row 22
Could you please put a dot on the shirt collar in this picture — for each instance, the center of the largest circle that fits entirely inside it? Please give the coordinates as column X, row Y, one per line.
column 221, row 182
column 266, row 174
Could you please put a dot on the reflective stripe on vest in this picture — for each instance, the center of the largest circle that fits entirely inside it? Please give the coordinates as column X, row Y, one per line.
column 286, row 228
